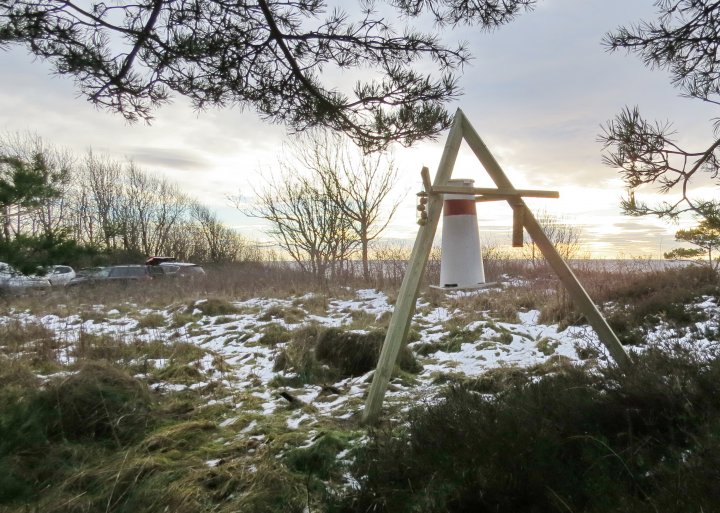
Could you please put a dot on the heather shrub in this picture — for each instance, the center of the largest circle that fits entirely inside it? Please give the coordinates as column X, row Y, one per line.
column 604, row 441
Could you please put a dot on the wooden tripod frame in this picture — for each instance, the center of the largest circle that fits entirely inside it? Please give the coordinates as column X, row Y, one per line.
column 522, row 218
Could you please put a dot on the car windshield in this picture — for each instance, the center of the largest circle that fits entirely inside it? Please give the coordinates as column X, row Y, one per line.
column 99, row 272
column 128, row 271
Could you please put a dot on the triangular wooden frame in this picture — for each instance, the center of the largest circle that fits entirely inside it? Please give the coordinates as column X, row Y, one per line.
column 407, row 296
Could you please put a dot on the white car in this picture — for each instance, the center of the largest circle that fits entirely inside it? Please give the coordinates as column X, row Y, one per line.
column 60, row 275
column 12, row 279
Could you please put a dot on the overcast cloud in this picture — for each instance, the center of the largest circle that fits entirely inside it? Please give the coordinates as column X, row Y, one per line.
column 537, row 91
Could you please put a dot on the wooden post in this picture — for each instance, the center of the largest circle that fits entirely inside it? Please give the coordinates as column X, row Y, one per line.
column 568, row 278
column 405, row 305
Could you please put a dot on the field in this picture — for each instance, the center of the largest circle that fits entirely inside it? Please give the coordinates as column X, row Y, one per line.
column 244, row 393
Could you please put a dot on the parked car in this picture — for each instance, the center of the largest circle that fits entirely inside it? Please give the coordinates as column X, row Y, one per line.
column 126, row 273
column 115, row 273
column 182, row 269
column 12, row 279
column 170, row 267
column 60, row 274
column 88, row 275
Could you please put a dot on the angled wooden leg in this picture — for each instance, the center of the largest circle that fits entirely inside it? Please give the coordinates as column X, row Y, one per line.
column 405, row 305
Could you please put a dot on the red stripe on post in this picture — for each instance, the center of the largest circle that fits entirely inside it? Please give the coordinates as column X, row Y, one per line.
column 459, row 207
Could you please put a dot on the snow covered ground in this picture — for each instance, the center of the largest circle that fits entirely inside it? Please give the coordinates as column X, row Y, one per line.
column 247, row 370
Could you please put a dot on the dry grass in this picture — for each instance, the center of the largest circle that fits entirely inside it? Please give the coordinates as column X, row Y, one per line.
column 150, row 450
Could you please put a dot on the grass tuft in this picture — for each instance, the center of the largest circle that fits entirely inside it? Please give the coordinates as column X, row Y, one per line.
column 214, row 307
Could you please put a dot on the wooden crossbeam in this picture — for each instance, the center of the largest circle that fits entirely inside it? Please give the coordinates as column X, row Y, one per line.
column 459, row 189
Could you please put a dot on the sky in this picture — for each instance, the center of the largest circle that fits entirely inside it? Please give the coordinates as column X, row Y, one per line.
column 538, row 91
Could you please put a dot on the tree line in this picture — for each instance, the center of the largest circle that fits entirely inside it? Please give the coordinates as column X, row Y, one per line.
column 57, row 205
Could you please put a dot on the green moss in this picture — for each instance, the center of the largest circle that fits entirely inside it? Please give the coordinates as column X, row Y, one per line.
column 547, row 346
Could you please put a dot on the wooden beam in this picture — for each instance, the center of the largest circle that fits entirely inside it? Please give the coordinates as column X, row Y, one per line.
column 455, row 189
column 568, row 278
column 405, row 306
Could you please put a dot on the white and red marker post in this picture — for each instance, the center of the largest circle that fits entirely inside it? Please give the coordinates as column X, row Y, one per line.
column 461, row 265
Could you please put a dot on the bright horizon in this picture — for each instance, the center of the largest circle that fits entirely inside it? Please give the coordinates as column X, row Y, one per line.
column 537, row 92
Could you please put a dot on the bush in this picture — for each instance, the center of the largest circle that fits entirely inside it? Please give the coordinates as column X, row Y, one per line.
column 354, row 354
column 572, row 441
column 99, row 403
column 319, row 355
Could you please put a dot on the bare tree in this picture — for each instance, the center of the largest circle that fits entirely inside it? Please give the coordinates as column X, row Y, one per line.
column 359, row 183
column 214, row 241
column 564, row 236
column 305, row 221
column 153, row 206
column 102, row 200
column 170, row 208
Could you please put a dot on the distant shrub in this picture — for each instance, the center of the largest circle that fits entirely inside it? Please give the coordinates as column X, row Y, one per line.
column 645, row 441
column 313, row 303
column 92, row 346
column 291, row 315
column 180, row 373
column 181, row 318
column 449, row 343
column 645, row 299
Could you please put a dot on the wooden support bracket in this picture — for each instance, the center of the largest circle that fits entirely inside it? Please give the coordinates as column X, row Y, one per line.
column 518, row 220
column 425, row 175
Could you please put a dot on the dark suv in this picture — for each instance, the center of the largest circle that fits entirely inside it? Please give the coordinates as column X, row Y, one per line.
column 125, row 273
